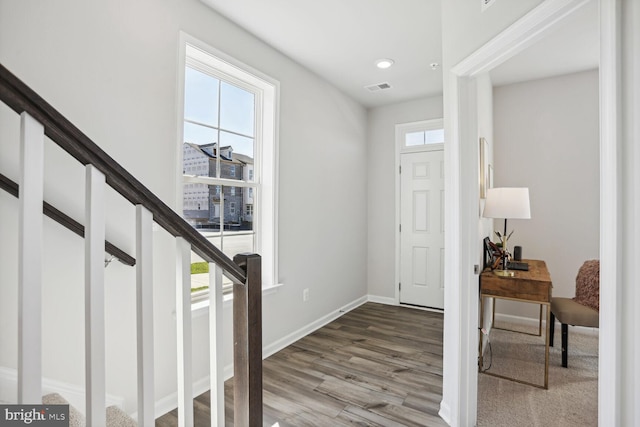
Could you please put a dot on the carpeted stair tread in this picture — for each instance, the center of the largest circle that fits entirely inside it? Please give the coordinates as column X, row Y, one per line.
column 76, row 419
column 116, row 417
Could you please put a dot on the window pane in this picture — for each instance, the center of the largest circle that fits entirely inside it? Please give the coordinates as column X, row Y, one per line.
column 201, row 97
column 196, row 161
column 195, row 205
column 435, row 136
column 240, row 145
column 199, row 274
column 215, row 197
column 233, row 204
column 414, row 138
column 237, row 242
column 199, row 270
column 237, row 109
column 200, row 135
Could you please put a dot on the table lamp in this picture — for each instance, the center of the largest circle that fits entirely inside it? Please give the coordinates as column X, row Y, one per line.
column 506, row 203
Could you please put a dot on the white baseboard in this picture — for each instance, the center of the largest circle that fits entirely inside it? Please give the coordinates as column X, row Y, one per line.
column 382, row 300
column 445, row 412
column 313, row 326
column 72, row 393
column 528, row 321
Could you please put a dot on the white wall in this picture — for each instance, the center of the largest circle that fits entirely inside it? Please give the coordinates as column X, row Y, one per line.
column 547, row 138
column 111, row 67
column 381, row 190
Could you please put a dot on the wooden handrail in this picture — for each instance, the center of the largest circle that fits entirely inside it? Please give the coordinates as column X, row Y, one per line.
column 21, row 98
column 66, row 221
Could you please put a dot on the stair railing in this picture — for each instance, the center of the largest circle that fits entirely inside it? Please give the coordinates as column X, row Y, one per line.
column 38, row 118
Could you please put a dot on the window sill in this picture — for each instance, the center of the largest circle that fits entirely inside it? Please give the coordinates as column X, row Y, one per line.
column 201, row 308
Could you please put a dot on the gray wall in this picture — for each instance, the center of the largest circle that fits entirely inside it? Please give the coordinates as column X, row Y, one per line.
column 381, row 176
column 547, row 138
column 111, row 67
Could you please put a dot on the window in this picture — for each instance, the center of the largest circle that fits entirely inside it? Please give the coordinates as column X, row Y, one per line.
column 419, row 136
column 229, row 135
column 434, row 136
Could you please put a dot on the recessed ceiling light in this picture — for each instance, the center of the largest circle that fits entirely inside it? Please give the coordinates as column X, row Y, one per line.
column 384, row 63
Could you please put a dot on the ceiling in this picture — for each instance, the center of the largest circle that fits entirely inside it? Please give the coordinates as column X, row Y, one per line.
column 572, row 46
column 341, row 40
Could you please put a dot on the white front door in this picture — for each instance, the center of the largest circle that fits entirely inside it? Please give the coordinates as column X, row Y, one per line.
column 422, row 229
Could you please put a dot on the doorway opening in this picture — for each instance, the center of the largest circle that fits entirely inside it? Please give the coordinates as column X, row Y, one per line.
column 459, row 405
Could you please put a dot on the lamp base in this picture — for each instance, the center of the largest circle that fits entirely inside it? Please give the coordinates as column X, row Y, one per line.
column 504, row 273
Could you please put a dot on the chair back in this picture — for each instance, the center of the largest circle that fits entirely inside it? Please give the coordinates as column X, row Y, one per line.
column 588, row 285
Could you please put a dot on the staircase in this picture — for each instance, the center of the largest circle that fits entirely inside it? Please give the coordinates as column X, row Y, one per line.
column 39, row 119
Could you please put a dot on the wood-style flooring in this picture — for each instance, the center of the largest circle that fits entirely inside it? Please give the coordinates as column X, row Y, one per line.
column 377, row 365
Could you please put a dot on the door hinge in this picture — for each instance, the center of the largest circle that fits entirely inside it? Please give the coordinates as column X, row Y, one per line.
column 399, row 286
column 400, row 228
column 399, row 169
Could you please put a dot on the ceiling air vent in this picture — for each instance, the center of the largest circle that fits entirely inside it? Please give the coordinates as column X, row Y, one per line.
column 378, row 87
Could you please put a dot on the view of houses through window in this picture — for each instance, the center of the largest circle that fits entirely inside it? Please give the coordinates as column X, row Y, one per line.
column 219, row 190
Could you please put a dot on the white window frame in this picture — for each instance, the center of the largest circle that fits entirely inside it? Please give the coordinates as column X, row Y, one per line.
column 424, row 125
column 203, row 57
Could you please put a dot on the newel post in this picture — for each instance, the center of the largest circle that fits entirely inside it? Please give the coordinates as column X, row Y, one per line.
column 247, row 343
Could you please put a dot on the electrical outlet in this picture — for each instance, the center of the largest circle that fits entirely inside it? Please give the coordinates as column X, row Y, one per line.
column 305, row 295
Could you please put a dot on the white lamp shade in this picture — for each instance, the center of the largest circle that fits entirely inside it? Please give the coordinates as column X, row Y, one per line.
column 508, row 203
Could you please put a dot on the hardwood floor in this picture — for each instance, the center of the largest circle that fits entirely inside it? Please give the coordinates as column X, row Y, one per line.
column 377, row 365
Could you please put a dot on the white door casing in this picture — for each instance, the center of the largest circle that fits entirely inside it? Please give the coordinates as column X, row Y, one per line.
column 422, row 228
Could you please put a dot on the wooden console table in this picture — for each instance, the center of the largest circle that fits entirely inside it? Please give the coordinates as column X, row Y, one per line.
column 533, row 286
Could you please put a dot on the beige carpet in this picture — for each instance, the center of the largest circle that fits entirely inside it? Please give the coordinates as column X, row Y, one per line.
column 572, row 397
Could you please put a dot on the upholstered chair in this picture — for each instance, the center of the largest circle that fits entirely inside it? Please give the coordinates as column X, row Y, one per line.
column 583, row 310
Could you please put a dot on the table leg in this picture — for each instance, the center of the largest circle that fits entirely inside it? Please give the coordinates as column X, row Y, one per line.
column 493, row 313
column 546, row 347
column 540, row 322
column 480, row 362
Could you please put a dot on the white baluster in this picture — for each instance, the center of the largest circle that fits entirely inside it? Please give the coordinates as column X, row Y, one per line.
column 216, row 356
column 183, row 323
column 144, row 316
column 30, row 261
column 94, row 297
